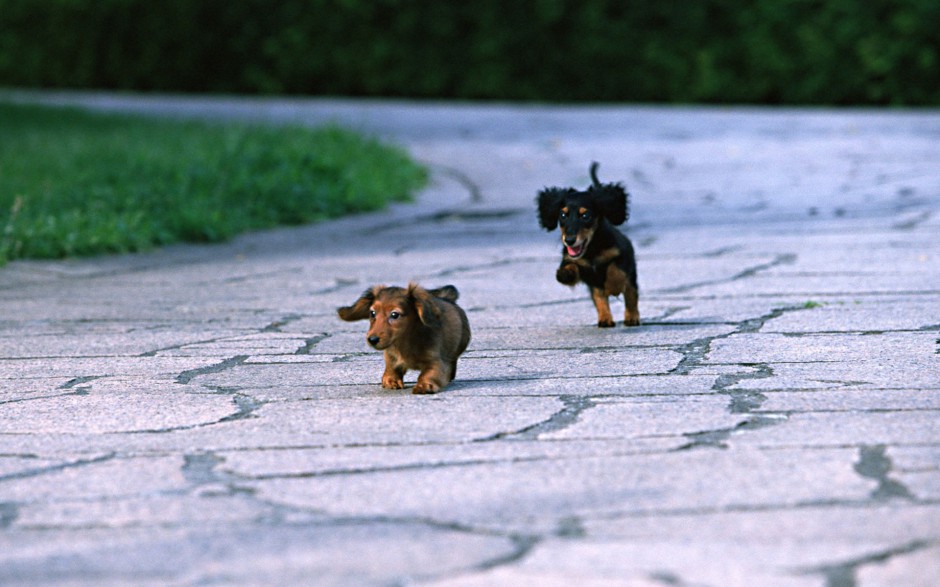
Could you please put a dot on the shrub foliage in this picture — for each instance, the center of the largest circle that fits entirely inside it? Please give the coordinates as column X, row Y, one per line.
column 720, row 51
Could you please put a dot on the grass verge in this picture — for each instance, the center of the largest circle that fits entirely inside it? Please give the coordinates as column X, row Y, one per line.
column 77, row 183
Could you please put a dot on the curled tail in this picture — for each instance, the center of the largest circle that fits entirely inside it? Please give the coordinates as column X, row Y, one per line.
column 612, row 197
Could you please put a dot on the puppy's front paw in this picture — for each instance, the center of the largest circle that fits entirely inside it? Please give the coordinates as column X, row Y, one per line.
column 567, row 274
column 605, row 323
column 390, row 382
column 425, row 387
column 632, row 321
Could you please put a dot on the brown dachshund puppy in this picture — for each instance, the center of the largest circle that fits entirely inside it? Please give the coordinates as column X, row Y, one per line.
column 417, row 328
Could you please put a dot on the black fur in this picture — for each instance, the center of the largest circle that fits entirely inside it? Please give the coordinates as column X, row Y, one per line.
column 591, row 243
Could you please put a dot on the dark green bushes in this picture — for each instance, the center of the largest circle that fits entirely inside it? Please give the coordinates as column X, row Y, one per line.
column 759, row 51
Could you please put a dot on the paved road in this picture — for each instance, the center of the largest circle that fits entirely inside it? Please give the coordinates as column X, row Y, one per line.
column 199, row 416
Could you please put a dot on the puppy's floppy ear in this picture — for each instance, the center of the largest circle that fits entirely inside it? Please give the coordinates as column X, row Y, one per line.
column 448, row 292
column 425, row 306
column 549, row 202
column 612, row 200
column 360, row 308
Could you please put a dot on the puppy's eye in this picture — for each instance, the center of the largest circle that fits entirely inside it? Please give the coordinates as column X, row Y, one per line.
column 585, row 216
column 394, row 315
column 563, row 215
column 372, row 314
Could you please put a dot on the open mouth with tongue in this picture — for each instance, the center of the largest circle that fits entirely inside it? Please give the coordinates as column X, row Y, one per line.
column 576, row 250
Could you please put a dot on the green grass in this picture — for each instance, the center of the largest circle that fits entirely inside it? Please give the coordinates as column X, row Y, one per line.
column 76, row 183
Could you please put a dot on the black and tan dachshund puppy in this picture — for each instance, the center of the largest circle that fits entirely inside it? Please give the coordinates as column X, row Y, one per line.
column 417, row 329
column 594, row 251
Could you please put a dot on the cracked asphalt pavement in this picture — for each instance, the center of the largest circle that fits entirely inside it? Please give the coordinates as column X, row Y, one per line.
column 200, row 416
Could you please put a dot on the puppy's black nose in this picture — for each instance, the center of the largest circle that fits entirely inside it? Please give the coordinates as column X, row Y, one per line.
column 373, row 340
column 570, row 240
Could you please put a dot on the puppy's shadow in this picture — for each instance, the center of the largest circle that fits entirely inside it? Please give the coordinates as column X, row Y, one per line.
column 493, row 383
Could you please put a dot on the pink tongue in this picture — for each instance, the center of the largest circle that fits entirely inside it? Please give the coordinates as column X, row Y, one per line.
column 573, row 251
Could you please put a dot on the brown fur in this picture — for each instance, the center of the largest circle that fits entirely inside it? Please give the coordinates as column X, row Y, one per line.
column 419, row 329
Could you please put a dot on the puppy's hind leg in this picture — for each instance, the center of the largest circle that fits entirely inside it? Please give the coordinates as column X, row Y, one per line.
column 433, row 379
column 602, row 304
column 631, row 314
column 617, row 283
column 427, row 385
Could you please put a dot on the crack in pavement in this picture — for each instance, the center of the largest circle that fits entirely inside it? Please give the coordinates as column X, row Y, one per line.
column 186, row 376
column 671, row 579
column 844, row 574
column 451, row 215
column 747, row 508
column 78, row 391
column 9, row 512
column 780, row 259
column 460, row 269
column 245, row 406
column 928, row 328
column 521, row 545
column 874, row 464
column 475, row 215
column 722, row 251
column 743, row 401
column 38, row 471
column 79, row 381
column 373, row 470
column 912, row 223
column 258, row 276
column 339, row 284
column 667, row 313
column 694, row 354
column 199, row 468
column 476, row 194
column 570, row 527
column 278, row 324
column 418, row 466
column 311, row 342
column 752, row 325
column 717, row 438
column 573, row 407
column 182, row 345
column 200, row 471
